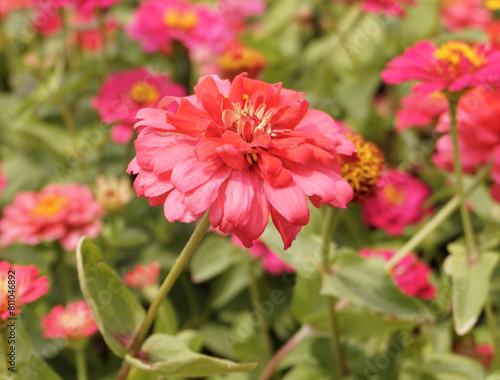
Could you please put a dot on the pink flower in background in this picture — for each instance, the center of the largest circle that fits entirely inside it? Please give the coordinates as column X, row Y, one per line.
column 28, row 287
column 236, row 12
column 126, row 92
column 419, row 110
column 243, row 150
column 271, row 262
column 7, row 6
column 484, row 353
column 3, row 181
column 90, row 38
column 61, row 213
column 143, row 276
column 388, row 7
column 157, row 23
column 453, row 66
column 410, row 274
column 46, row 21
column 398, row 202
column 461, row 14
column 71, row 322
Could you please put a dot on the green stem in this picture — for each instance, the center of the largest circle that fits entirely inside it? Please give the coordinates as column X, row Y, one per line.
column 10, row 54
column 435, row 221
column 4, row 335
column 165, row 288
column 81, row 363
column 464, row 213
column 331, row 219
column 492, row 325
column 257, row 305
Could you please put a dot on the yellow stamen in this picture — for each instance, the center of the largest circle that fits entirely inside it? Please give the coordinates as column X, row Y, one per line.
column 181, row 20
column 452, row 53
column 50, row 205
column 493, row 5
column 144, row 93
column 394, row 196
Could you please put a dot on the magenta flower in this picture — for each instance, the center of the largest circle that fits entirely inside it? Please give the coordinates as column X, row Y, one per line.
column 419, row 110
column 462, row 14
column 387, row 7
column 454, row 66
column 28, row 287
column 243, row 150
column 71, row 322
column 410, row 274
column 398, row 202
column 61, row 213
column 125, row 93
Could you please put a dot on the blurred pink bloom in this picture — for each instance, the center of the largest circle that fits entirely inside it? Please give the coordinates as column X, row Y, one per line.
column 27, row 285
column 46, row 21
column 453, row 66
column 87, row 7
column 461, row 14
column 7, row 6
column 484, row 353
column 493, row 31
column 90, row 38
column 271, row 262
column 242, row 150
column 3, row 181
column 143, row 276
column 71, row 322
column 235, row 12
column 410, row 274
column 419, row 110
column 157, row 23
column 57, row 212
column 387, row 7
column 398, row 202
column 125, row 93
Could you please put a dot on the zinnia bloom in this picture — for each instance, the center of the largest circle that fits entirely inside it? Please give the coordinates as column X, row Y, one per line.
column 461, row 14
column 419, row 110
column 143, row 276
column 453, row 66
column 242, row 150
column 125, row 93
column 238, row 59
column 71, row 322
column 398, row 202
column 113, row 193
column 61, row 213
column 410, row 274
column 387, row 7
column 26, row 287
column 237, row 11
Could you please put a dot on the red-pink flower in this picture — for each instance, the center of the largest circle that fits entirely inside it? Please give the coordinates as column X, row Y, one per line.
column 242, row 150
column 125, row 93
column 22, row 281
column 89, row 38
column 398, row 202
column 71, row 322
column 143, row 276
column 61, row 213
column 493, row 31
column 419, row 110
column 157, row 23
column 461, row 14
column 453, row 66
column 410, row 274
column 3, row 181
column 387, row 7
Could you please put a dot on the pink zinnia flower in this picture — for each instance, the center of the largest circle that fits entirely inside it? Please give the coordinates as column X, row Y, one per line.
column 143, row 276
column 71, row 322
column 89, row 38
column 58, row 212
column 461, row 14
column 3, row 181
column 157, row 23
column 27, row 285
column 387, row 7
column 398, row 202
column 410, row 274
column 419, row 110
column 243, row 150
column 125, row 93
column 453, row 66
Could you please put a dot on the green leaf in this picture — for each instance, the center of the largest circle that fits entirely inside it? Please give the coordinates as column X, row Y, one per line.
column 116, row 311
column 305, row 294
column 470, row 284
column 494, row 375
column 166, row 321
column 229, row 285
column 166, row 355
column 192, row 339
column 37, row 369
column 452, row 366
column 308, row 372
column 366, row 282
column 213, row 257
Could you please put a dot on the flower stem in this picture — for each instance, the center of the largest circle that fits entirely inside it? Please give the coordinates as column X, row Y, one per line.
column 293, row 342
column 165, row 288
column 331, row 219
column 435, row 221
column 464, row 213
column 81, row 363
column 257, row 309
column 10, row 54
column 492, row 325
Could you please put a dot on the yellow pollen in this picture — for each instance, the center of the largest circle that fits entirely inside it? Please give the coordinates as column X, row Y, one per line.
column 245, row 96
column 144, row 93
column 50, row 205
column 239, row 59
column 493, row 5
column 181, row 20
column 394, row 196
column 452, row 53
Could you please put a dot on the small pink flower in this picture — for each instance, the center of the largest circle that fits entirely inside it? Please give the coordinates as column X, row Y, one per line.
column 90, row 38
column 453, row 66
column 387, row 7
column 58, row 212
column 47, row 21
column 243, row 150
column 419, row 110
column 461, row 14
column 3, row 181
column 484, row 353
column 27, row 285
column 398, row 202
column 143, row 276
column 410, row 274
column 125, row 93
column 71, row 322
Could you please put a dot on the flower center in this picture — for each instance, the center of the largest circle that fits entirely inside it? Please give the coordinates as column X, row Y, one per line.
column 181, row 20
column 49, row 205
column 74, row 323
column 239, row 59
column 452, row 54
column 492, row 4
column 144, row 93
column 394, row 196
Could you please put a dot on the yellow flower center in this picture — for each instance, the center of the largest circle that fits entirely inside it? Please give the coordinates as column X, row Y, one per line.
column 50, row 205
column 241, row 59
column 452, row 53
column 144, row 93
column 492, row 4
column 181, row 20
column 394, row 196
